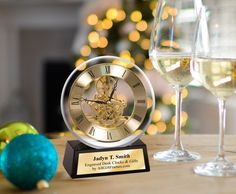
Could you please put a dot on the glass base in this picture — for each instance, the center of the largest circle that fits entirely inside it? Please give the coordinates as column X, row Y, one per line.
column 219, row 167
column 176, row 155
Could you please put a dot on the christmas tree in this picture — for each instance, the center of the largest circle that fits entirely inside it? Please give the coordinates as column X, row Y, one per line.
column 125, row 32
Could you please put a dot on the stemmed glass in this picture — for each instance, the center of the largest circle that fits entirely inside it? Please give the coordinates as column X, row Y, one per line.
column 170, row 52
column 214, row 65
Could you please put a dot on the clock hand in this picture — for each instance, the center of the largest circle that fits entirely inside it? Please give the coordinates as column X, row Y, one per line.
column 96, row 101
column 113, row 90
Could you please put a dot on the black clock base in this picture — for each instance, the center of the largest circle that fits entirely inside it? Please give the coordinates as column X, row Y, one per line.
column 83, row 161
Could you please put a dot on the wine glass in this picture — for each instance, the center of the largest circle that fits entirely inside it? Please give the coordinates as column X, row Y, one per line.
column 170, row 53
column 214, row 65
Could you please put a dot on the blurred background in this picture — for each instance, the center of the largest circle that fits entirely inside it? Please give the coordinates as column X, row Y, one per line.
column 41, row 41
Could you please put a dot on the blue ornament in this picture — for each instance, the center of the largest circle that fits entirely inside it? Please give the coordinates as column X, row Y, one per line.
column 28, row 159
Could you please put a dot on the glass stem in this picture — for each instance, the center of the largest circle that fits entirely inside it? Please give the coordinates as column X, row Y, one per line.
column 178, row 109
column 222, row 119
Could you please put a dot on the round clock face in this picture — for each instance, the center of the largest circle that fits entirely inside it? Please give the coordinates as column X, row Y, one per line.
column 109, row 104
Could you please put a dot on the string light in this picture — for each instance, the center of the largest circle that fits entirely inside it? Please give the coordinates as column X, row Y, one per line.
column 121, row 15
column 99, row 26
column 172, row 11
column 166, row 98
column 165, row 13
column 184, row 118
column 134, row 36
column 153, row 5
column 141, row 26
column 107, row 24
column 184, row 93
column 103, row 42
column 125, row 53
column 85, row 51
column 156, row 116
column 152, row 129
column 93, row 37
column 92, row 19
column 78, row 62
column 93, row 44
column 81, row 65
column 145, row 44
column 123, row 63
column 112, row 13
column 148, row 65
column 136, row 16
column 161, row 127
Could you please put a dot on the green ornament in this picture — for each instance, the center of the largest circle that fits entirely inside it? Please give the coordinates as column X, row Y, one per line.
column 13, row 129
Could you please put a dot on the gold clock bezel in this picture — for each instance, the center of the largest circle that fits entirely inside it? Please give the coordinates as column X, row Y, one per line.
column 91, row 133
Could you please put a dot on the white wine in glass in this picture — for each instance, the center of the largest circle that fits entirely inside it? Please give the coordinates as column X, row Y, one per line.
column 217, row 75
column 170, row 53
column 175, row 69
column 214, row 65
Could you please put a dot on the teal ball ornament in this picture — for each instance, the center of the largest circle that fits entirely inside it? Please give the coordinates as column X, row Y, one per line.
column 28, row 159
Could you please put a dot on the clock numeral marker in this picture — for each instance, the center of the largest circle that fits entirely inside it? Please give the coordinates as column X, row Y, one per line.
column 124, row 73
column 136, row 85
column 91, row 74
column 80, row 118
column 138, row 118
column 141, row 101
column 76, row 102
column 108, row 69
column 92, row 131
column 109, row 136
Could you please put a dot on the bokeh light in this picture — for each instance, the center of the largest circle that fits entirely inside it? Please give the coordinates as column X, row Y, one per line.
column 125, row 54
column 92, row 19
column 166, row 98
column 136, row 16
column 85, row 51
column 93, row 37
column 121, row 15
column 148, row 64
column 103, row 42
column 94, row 44
column 141, row 26
column 184, row 118
column 99, row 26
column 79, row 62
column 134, row 36
column 107, row 24
column 145, row 44
column 152, row 130
column 153, row 5
column 156, row 116
column 161, row 127
column 112, row 13
column 184, row 93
